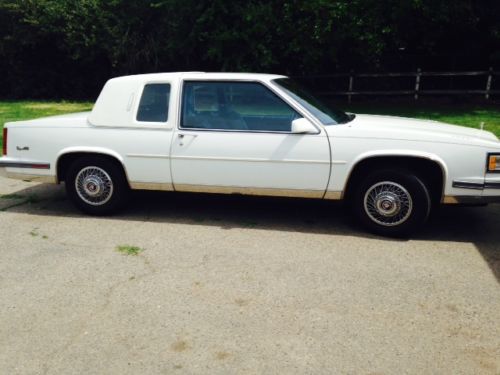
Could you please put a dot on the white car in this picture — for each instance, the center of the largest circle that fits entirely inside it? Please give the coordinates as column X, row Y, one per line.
column 252, row 134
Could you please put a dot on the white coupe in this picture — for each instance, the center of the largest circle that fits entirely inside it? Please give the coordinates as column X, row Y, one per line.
column 252, row 134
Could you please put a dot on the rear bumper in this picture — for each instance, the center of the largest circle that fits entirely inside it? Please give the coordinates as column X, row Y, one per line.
column 27, row 170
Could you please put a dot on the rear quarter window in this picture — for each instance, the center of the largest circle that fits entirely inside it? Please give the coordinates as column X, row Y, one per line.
column 153, row 106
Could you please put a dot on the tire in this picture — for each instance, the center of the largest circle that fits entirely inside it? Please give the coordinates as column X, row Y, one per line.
column 96, row 185
column 391, row 203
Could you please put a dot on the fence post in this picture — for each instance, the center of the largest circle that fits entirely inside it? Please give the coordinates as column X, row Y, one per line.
column 417, row 83
column 488, row 83
column 351, row 86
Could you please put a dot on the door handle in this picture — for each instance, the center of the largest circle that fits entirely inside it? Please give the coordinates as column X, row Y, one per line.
column 181, row 136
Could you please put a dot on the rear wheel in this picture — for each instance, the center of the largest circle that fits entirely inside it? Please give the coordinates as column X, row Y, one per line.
column 96, row 185
column 391, row 202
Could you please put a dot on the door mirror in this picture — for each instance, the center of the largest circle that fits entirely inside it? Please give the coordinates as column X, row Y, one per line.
column 303, row 126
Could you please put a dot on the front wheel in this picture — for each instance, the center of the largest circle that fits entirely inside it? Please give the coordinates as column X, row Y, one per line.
column 391, row 203
column 97, row 186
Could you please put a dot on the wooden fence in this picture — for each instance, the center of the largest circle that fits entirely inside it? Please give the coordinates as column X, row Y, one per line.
column 486, row 89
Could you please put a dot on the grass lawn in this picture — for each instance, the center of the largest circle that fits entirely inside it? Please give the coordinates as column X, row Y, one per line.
column 461, row 114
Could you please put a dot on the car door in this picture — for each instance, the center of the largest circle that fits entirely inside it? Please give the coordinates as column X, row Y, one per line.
column 235, row 137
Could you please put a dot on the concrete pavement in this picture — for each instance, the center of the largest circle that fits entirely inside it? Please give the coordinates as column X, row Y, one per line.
column 234, row 285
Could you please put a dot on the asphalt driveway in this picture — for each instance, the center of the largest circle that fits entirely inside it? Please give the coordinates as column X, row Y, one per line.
column 234, row 285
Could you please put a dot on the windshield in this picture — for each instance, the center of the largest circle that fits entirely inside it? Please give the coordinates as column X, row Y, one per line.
column 322, row 111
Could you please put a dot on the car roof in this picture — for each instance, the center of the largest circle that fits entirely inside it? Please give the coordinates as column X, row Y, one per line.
column 117, row 98
column 201, row 76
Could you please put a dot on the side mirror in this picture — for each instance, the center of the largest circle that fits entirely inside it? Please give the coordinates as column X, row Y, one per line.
column 303, row 126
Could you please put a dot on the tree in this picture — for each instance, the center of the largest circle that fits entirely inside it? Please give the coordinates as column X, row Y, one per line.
column 68, row 48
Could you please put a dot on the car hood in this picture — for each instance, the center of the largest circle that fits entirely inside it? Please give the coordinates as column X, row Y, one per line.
column 389, row 127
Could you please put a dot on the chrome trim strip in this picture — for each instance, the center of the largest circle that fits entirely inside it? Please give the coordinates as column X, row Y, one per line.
column 151, row 186
column 244, row 131
column 475, row 185
column 250, row 191
column 467, row 185
column 24, row 164
column 492, row 185
column 159, row 126
column 254, row 160
column 152, row 156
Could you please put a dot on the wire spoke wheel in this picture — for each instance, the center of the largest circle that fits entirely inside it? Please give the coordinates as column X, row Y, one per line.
column 388, row 203
column 94, row 185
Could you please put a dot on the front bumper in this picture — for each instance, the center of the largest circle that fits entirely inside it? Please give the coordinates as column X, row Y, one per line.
column 486, row 192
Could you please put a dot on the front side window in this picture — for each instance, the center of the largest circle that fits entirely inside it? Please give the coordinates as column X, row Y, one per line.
column 234, row 106
column 154, row 103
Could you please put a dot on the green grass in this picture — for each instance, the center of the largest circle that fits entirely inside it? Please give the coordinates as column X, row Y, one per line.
column 25, row 110
column 129, row 250
column 469, row 115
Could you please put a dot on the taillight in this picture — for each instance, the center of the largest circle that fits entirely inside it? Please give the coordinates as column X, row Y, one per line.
column 4, row 148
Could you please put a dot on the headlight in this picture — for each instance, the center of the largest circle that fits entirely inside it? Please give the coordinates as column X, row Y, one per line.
column 493, row 163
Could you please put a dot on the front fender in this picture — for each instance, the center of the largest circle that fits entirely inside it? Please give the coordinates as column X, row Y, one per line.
column 402, row 153
column 343, row 169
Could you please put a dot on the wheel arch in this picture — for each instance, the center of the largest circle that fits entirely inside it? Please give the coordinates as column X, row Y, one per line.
column 68, row 155
column 428, row 166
